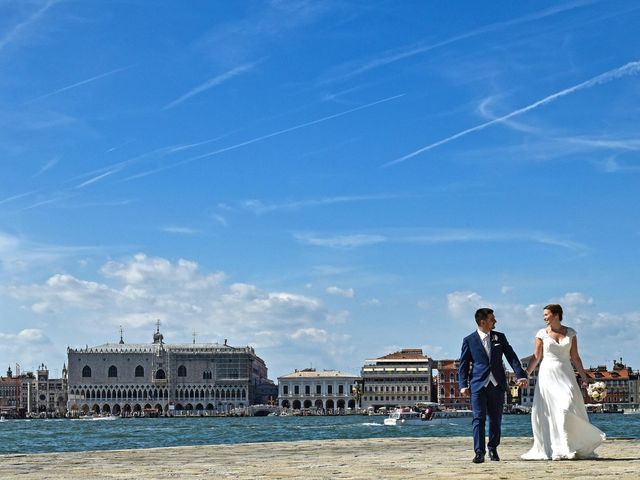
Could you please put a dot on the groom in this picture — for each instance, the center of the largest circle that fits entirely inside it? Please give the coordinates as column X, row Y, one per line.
column 481, row 372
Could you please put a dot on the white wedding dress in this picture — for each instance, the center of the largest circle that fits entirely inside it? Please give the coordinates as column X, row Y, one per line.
column 561, row 428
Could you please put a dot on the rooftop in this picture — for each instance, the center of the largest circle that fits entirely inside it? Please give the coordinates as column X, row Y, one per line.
column 312, row 373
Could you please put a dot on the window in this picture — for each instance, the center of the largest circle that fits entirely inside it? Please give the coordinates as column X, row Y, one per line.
column 139, row 371
column 206, row 375
column 330, row 389
column 340, row 389
column 182, row 371
column 318, row 389
column 285, row 390
column 307, row 390
column 296, row 389
column 86, row 371
column 160, row 375
column 113, row 371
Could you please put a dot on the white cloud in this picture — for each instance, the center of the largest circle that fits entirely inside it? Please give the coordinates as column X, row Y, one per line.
column 24, row 337
column 340, row 241
column 142, row 289
column 341, row 292
column 180, row 230
column 143, row 269
column 463, row 305
column 311, row 334
column 335, row 318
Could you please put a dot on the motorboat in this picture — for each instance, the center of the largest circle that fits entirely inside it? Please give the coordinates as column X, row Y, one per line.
column 99, row 417
column 428, row 416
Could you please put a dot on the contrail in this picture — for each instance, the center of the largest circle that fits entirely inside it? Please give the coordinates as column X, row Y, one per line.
column 16, row 197
column 420, row 49
column 77, row 84
column 212, row 83
column 264, row 137
column 630, row 68
column 296, row 127
column 15, row 31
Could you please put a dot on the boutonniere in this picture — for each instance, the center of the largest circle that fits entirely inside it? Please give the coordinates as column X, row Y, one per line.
column 494, row 338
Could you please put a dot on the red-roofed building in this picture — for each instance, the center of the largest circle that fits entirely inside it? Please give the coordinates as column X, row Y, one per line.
column 618, row 382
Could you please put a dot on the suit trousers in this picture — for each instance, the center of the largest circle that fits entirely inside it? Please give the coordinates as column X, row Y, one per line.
column 488, row 401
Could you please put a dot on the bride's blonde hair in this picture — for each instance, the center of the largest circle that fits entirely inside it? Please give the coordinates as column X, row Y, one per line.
column 555, row 309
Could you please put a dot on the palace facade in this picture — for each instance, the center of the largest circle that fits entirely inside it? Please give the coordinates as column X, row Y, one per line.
column 164, row 379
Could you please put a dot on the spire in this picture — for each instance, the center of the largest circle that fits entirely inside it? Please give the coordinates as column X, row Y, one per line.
column 121, row 342
column 194, row 337
column 157, row 337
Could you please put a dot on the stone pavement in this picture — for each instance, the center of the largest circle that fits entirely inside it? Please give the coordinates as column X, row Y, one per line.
column 395, row 458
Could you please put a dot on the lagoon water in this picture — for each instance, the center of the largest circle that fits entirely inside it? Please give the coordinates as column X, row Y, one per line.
column 40, row 436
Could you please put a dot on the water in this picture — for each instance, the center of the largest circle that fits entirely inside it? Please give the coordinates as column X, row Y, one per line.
column 40, row 436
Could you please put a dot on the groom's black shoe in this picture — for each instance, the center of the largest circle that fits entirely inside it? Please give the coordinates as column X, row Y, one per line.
column 493, row 455
column 479, row 458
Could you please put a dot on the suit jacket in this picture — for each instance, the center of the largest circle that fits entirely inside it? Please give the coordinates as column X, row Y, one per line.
column 476, row 365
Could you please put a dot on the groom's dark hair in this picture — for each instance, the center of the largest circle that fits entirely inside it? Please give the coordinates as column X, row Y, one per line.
column 482, row 314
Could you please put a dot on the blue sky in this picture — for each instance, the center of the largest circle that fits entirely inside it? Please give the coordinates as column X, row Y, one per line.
column 326, row 181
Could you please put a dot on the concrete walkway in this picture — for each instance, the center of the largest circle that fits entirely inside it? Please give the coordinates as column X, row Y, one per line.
column 397, row 458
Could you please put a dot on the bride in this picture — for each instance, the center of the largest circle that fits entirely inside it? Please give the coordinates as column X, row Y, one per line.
column 561, row 428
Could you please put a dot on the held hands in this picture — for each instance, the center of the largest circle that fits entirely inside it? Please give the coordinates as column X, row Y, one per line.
column 522, row 383
column 585, row 380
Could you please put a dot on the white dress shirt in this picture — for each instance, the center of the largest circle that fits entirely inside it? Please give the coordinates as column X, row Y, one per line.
column 486, row 342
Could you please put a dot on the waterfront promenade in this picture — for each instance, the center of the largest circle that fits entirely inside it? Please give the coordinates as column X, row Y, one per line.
column 392, row 458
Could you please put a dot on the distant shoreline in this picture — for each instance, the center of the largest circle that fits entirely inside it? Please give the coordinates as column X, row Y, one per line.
column 393, row 458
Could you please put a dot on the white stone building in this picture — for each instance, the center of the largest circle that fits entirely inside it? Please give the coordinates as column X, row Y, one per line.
column 164, row 379
column 327, row 390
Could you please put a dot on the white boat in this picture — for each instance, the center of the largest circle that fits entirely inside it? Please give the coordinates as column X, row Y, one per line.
column 99, row 417
column 406, row 416
column 631, row 411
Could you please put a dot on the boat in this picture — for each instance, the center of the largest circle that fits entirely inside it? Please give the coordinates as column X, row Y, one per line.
column 99, row 417
column 407, row 416
column 631, row 411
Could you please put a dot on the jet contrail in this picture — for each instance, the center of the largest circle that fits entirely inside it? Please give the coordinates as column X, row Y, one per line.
column 268, row 135
column 16, row 31
column 212, row 82
column 77, row 84
column 630, row 68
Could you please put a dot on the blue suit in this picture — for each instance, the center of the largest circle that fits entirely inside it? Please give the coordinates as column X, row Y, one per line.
column 486, row 399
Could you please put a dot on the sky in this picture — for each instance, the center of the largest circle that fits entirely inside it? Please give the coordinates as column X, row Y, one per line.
column 328, row 182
